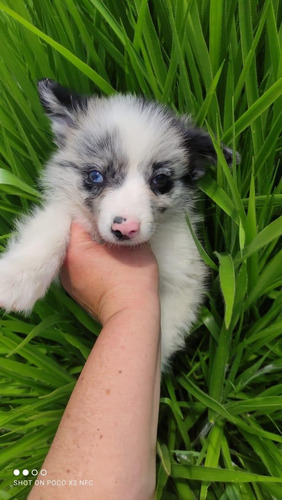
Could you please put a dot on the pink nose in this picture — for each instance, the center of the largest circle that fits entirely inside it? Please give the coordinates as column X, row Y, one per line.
column 125, row 229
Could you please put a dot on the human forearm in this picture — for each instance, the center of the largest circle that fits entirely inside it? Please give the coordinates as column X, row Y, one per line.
column 108, row 431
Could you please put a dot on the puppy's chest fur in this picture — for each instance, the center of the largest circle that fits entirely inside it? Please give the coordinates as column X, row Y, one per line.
column 182, row 282
column 176, row 252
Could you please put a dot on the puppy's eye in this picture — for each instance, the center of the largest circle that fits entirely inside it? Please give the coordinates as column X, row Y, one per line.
column 96, row 177
column 160, row 180
column 161, row 184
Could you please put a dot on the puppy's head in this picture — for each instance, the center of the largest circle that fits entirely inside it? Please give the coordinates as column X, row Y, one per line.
column 125, row 160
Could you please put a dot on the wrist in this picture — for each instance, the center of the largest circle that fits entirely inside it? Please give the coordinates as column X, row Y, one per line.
column 139, row 307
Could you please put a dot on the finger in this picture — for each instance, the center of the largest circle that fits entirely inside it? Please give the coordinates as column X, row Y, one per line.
column 79, row 233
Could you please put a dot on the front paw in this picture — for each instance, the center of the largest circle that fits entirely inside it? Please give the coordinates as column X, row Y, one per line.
column 20, row 286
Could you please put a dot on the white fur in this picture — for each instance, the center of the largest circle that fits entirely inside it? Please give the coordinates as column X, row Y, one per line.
column 34, row 257
column 36, row 253
column 181, row 282
column 33, row 261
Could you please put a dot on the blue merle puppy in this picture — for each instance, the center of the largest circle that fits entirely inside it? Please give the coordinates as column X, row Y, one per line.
column 125, row 168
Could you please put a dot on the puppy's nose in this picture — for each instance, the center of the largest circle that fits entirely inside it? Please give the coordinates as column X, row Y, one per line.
column 125, row 229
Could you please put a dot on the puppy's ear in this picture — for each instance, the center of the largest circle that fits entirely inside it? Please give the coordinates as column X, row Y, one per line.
column 201, row 153
column 61, row 106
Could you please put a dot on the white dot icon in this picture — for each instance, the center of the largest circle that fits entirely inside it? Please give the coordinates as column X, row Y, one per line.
column 16, row 472
column 43, row 472
column 25, row 472
column 34, row 472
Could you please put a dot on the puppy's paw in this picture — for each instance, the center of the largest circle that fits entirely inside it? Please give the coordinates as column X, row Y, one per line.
column 20, row 286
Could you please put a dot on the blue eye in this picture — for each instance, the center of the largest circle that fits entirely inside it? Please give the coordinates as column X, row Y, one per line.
column 96, row 177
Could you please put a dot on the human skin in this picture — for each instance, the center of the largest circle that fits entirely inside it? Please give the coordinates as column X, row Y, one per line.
column 107, row 434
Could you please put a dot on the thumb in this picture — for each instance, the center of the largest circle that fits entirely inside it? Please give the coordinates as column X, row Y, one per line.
column 78, row 234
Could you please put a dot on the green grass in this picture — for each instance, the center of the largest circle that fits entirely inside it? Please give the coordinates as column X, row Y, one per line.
column 220, row 431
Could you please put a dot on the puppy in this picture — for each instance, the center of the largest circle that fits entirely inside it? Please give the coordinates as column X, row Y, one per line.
column 126, row 169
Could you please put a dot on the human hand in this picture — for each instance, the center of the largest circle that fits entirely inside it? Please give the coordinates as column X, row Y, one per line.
column 108, row 279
